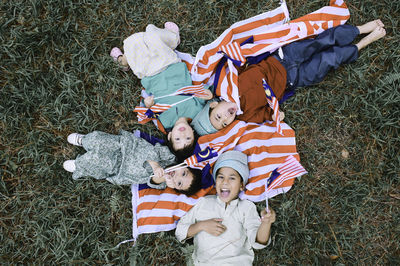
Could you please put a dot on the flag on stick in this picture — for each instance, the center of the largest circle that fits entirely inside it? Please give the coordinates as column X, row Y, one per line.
column 146, row 114
column 291, row 168
column 196, row 158
column 192, row 90
column 274, row 104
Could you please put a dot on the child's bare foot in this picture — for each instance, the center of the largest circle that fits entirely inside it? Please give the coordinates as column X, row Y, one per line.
column 370, row 26
column 375, row 35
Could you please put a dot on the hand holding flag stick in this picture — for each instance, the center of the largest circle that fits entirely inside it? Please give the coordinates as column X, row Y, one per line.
column 146, row 114
column 291, row 168
column 203, row 155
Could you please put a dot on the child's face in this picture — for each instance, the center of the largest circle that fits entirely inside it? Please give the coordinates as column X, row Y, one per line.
column 180, row 179
column 228, row 184
column 181, row 134
column 222, row 114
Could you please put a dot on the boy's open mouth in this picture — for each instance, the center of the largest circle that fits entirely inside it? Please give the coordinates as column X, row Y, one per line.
column 224, row 192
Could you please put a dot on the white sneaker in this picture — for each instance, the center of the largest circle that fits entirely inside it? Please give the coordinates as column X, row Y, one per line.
column 75, row 139
column 69, row 165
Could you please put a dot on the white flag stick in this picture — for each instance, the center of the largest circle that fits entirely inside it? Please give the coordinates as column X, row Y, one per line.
column 173, row 168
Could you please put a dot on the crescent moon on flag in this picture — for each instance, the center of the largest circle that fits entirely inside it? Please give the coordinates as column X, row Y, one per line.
column 206, row 155
column 268, row 92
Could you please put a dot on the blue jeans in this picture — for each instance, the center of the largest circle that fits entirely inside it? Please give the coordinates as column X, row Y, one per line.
column 308, row 61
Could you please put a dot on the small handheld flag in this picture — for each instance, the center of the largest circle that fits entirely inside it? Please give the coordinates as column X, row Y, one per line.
column 146, row 114
column 203, row 155
column 291, row 168
column 274, row 104
column 192, row 90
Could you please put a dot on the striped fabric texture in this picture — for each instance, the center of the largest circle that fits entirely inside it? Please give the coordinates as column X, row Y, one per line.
column 145, row 114
column 158, row 210
column 273, row 104
column 270, row 31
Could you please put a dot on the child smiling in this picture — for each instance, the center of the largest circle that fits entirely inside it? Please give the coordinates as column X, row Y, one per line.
column 225, row 228
column 126, row 159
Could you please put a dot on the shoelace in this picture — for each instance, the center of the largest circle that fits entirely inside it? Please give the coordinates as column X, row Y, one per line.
column 79, row 139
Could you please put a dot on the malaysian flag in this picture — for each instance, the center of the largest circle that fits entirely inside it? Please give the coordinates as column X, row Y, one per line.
column 159, row 210
column 145, row 114
column 193, row 90
column 274, row 104
column 290, row 169
column 203, row 155
column 269, row 31
column 198, row 157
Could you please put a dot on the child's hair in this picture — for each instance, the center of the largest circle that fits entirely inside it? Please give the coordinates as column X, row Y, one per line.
column 185, row 152
column 196, row 184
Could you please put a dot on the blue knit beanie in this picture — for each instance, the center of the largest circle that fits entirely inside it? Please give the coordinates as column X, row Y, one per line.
column 235, row 160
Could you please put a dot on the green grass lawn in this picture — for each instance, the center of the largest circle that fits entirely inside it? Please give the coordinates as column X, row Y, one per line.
column 57, row 77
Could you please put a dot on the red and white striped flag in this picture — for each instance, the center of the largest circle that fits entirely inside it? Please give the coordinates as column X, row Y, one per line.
column 204, row 155
column 193, row 90
column 291, row 168
column 158, row 210
column 270, row 31
column 145, row 114
column 274, row 104
column 233, row 51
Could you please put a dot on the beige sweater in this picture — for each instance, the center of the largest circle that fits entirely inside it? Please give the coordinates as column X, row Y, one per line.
column 234, row 246
column 150, row 52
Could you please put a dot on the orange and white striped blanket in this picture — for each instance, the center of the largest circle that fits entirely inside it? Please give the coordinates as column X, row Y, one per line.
column 270, row 31
column 158, row 210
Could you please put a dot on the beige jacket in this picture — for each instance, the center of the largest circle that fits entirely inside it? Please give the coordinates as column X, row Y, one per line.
column 150, row 52
column 234, row 246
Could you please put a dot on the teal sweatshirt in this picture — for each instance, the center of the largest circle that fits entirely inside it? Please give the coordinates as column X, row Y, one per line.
column 168, row 81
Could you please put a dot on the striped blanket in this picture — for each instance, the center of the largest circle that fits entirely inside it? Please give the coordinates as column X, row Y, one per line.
column 269, row 31
column 158, row 210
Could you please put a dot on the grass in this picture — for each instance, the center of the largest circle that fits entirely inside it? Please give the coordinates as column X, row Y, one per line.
column 57, row 77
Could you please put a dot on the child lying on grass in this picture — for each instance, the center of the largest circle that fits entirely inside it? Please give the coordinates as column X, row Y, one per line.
column 224, row 227
column 301, row 63
column 151, row 57
column 125, row 159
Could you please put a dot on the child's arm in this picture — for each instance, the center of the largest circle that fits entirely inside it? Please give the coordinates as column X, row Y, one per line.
column 212, row 226
column 264, row 230
column 188, row 226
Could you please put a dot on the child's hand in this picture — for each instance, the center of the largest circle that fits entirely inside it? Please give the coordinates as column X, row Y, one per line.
column 149, row 101
column 281, row 116
column 213, row 226
column 158, row 172
column 268, row 217
column 208, row 97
